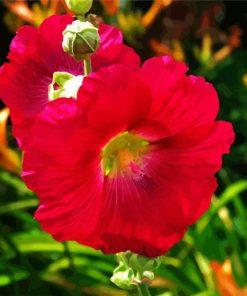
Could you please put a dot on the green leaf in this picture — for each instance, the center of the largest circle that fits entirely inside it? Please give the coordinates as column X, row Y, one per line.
column 227, row 196
column 18, row 205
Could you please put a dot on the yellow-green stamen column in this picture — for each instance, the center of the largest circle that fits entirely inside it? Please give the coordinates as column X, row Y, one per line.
column 120, row 151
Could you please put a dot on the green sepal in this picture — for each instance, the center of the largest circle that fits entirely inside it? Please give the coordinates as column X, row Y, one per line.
column 141, row 263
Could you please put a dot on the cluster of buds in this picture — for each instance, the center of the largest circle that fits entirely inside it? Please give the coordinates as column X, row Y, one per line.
column 81, row 38
column 134, row 270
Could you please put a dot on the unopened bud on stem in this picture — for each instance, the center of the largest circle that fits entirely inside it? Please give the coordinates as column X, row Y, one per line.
column 79, row 7
column 80, row 40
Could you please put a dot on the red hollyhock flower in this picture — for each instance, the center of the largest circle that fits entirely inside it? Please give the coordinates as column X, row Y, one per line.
column 130, row 164
column 35, row 54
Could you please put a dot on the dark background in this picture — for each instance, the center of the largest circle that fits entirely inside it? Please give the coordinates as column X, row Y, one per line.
column 235, row 13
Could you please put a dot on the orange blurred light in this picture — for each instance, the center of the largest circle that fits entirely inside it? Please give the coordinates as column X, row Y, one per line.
column 153, row 11
column 110, row 6
column 225, row 281
column 21, row 9
column 9, row 159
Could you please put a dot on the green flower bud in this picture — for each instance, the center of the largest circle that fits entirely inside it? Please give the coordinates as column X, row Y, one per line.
column 79, row 7
column 134, row 270
column 123, row 277
column 80, row 39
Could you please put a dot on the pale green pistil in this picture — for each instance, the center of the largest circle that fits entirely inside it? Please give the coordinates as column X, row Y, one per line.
column 121, row 152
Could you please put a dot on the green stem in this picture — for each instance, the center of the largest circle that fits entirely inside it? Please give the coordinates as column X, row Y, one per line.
column 142, row 290
column 87, row 66
column 81, row 18
column 68, row 254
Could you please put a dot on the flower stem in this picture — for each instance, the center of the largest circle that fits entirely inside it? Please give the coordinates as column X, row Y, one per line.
column 142, row 290
column 68, row 254
column 87, row 66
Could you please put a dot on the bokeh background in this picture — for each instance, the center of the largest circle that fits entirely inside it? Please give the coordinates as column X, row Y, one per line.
column 211, row 37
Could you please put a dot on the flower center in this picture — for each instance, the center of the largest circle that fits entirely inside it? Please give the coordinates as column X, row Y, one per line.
column 122, row 154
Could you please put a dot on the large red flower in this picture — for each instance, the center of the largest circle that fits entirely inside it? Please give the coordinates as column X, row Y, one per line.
column 130, row 164
column 36, row 53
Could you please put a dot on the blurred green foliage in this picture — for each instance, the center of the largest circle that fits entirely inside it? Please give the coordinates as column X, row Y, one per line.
column 32, row 263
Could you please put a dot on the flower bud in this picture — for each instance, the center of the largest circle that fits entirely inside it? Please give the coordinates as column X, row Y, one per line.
column 134, row 269
column 79, row 7
column 123, row 277
column 80, row 39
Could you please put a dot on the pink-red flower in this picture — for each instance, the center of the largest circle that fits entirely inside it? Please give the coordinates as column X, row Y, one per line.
column 36, row 53
column 130, row 164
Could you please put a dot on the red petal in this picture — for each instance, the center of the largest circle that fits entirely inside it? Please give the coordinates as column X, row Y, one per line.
column 24, row 90
column 114, row 100
column 25, row 36
column 119, row 234
column 70, row 197
column 179, row 101
column 66, row 175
